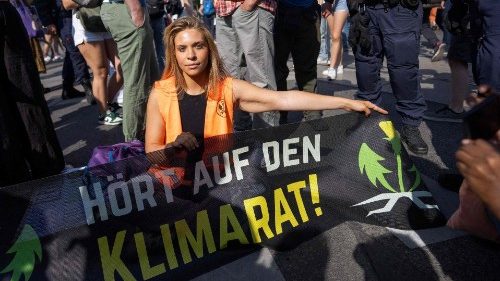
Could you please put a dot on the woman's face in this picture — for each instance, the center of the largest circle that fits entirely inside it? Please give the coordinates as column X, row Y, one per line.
column 191, row 52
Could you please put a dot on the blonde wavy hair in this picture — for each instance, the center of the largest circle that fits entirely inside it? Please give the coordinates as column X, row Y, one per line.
column 217, row 72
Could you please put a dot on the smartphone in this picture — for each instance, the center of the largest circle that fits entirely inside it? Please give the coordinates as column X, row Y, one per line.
column 483, row 120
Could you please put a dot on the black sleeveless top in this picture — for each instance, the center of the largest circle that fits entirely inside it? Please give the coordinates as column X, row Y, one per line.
column 192, row 109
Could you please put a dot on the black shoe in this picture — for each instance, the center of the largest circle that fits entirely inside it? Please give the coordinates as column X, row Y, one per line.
column 70, row 93
column 411, row 136
column 87, row 87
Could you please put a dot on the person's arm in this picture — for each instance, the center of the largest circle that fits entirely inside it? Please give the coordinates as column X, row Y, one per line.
column 69, row 4
column 249, row 5
column 479, row 163
column 254, row 99
column 155, row 130
column 155, row 125
column 136, row 12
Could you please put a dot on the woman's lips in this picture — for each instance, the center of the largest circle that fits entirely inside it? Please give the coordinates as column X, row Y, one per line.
column 193, row 66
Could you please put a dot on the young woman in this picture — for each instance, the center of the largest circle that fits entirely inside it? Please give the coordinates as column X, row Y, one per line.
column 98, row 49
column 196, row 97
column 336, row 22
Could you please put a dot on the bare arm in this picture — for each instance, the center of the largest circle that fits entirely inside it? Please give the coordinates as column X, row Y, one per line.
column 155, row 125
column 155, row 130
column 136, row 12
column 69, row 4
column 254, row 99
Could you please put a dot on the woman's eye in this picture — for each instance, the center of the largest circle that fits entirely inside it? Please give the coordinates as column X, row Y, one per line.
column 199, row 47
column 181, row 49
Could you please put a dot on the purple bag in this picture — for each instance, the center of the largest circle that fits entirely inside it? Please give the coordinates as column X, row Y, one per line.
column 28, row 18
column 110, row 153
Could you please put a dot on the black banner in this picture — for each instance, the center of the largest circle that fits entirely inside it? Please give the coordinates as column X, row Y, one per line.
column 173, row 215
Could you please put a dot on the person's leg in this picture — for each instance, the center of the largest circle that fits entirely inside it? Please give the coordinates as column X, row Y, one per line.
column 368, row 65
column 324, row 50
column 231, row 53
column 116, row 80
column 401, row 45
column 47, row 47
column 95, row 55
column 459, row 84
column 255, row 33
column 283, row 40
column 158, row 26
column 336, row 24
column 209, row 23
column 401, row 29
column 305, row 49
column 57, row 47
column 75, row 69
column 488, row 63
column 139, row 65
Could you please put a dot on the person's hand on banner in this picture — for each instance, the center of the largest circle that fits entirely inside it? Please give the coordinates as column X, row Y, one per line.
column 185, row 140
column 363, row 106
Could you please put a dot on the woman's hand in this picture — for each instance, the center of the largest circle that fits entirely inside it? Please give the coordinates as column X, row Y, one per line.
column 326, row 9
column 363, row 106
column 185, row 140
column 479, row 163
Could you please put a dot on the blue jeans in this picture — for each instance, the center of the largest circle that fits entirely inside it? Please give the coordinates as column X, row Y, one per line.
column 324, row 49
column 158, row 26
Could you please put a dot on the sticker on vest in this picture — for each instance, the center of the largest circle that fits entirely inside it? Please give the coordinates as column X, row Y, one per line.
column 221, row 108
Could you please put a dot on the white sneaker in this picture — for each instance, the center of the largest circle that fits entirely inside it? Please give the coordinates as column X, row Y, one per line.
column 57, row 58
column 110, row 118
column 340, row 69
column 322, row 62
column 330, row 72
column 47, row 59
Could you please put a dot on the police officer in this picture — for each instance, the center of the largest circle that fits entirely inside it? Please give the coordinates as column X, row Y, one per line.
column 488, row 58
column 390, row 28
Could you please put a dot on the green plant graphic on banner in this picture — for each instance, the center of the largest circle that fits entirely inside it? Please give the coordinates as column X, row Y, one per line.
column 26, row 248
column 370, row 163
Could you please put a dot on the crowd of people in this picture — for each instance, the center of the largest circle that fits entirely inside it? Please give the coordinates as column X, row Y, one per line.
column 190, row 86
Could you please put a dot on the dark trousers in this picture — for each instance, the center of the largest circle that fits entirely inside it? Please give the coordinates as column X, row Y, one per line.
column 488, row 55
column 427, row 31
column 394, row 34
column 75, row 69
column 158, row 26
column 296, row 32
column 209, row 23
column 29, row 147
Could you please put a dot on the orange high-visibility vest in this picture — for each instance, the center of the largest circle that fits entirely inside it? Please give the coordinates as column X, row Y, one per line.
column 218, row 116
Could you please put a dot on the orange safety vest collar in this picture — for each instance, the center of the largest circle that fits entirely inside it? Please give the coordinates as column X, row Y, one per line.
column 218, row 116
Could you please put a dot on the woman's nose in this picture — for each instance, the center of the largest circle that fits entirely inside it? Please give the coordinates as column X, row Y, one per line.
column 191, row 54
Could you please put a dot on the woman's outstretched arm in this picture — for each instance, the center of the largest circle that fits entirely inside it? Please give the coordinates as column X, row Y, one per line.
column 254, row 99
